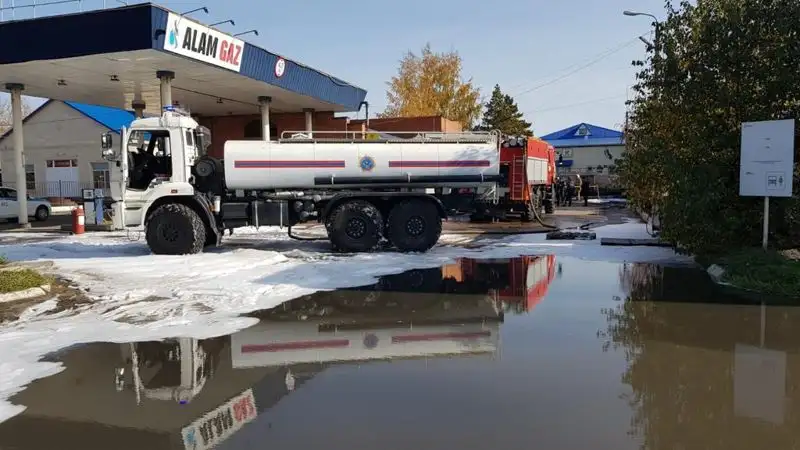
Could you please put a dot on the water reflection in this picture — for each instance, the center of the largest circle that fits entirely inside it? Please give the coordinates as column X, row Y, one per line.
column 476, row 354
column 719, row 374
column 196, row 393
column 516, row 284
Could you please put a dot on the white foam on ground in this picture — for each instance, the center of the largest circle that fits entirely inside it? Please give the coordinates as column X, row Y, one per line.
column 141, row 296
column 605, row 201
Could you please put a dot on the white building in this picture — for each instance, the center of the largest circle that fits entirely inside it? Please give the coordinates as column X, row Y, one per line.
column 62, row 148
column 587, row 149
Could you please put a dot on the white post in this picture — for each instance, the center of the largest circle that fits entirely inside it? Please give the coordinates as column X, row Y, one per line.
column 19, row 163
column 264, row 102
column 766, row 223
column 309, row 112
column 166, row 77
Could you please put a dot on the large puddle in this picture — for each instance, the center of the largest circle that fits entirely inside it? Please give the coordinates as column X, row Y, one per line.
column 530, row 352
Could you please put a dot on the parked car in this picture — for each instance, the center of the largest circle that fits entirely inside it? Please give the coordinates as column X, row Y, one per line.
column 38, row 208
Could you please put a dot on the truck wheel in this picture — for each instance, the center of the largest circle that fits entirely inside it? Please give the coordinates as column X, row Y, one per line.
column 548, row 207
column 414, row 226
column 529, row 215
column 355, row 226
column 175, row 229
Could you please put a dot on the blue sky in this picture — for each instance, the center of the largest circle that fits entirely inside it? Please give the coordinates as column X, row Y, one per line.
column 529, row 47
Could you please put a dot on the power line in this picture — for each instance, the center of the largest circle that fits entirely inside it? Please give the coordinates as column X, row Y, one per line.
column 572, row 105
column 519, row 85
column 600, row 57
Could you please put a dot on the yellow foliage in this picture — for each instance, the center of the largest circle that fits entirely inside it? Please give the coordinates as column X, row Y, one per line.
column 430, row 84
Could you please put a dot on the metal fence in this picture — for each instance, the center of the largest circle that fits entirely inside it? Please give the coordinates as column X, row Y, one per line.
column 58, row 191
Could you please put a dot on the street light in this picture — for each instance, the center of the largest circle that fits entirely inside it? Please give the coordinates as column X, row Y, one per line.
column 247, row 32
column 230, row 21
column 655, row 23
column 204, row 9
column 634, row 13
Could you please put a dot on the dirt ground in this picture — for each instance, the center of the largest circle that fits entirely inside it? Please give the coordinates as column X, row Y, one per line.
column 565, row 217
column 53, row 223
column 67, row 297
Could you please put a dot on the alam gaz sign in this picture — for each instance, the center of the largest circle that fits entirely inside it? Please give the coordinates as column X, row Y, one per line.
column 189, row 38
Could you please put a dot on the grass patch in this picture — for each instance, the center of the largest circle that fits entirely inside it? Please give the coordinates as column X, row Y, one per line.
column 19, row 280
column 763, row 271
column 3, row 260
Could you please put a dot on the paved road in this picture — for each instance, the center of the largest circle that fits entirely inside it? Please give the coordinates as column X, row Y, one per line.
column 53, row 223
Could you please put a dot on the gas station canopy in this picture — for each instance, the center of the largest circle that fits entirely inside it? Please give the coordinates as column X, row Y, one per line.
column 111, row 57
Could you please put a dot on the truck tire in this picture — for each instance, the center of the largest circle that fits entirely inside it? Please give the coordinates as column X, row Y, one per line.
column 549, row 208
column 530, row 214
column 175, row 229
column 355, row 226
column 414, row 226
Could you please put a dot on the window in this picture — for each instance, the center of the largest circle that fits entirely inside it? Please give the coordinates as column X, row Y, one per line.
column 30, row 177
column 189, row 138
column 62, row 163
column 149, row 158
column 100, row 176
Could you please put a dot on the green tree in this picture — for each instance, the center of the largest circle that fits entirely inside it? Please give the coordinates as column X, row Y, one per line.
column 715, row 65
column 430, row 84
column 503, row 114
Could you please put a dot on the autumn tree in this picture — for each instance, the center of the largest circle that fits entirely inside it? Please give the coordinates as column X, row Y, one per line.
column 715, row 65
column 6, row 118
column 430, row 84
column 502, row 113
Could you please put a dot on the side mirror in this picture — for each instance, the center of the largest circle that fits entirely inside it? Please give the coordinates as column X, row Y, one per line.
column 106, row 141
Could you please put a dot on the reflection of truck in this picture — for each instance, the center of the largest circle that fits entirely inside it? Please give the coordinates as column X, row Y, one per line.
column 364, row 191
column 519, row 283
column 367, row 324
column 278, row 344
column 173, row 369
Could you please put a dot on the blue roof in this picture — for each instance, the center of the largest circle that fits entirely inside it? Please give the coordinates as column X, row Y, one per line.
column 98, row 32
column 584, row 135
column 112, row 118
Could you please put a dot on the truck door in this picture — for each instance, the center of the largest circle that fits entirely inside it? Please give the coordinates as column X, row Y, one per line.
column 118, row 168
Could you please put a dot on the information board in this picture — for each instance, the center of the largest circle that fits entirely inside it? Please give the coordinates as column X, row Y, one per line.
column 767, row 158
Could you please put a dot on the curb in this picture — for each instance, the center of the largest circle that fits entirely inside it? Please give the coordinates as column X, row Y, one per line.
column 26, row 294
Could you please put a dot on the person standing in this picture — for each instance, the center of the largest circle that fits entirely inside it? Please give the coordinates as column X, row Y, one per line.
column 557, row 187
column 570, row 191
column 585, row 190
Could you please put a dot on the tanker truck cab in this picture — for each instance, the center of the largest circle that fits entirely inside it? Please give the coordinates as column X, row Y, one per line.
column 152, row 167
column 369, row 194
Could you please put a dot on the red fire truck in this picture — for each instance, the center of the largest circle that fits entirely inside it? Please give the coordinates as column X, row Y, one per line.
column 527, row 184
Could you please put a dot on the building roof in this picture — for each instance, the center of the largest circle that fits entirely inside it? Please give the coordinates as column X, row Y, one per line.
column 112, row 118
column 584, row 135
column 64, row 59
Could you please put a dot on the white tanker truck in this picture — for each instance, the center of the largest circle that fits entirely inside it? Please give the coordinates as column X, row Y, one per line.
column 368, row 193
